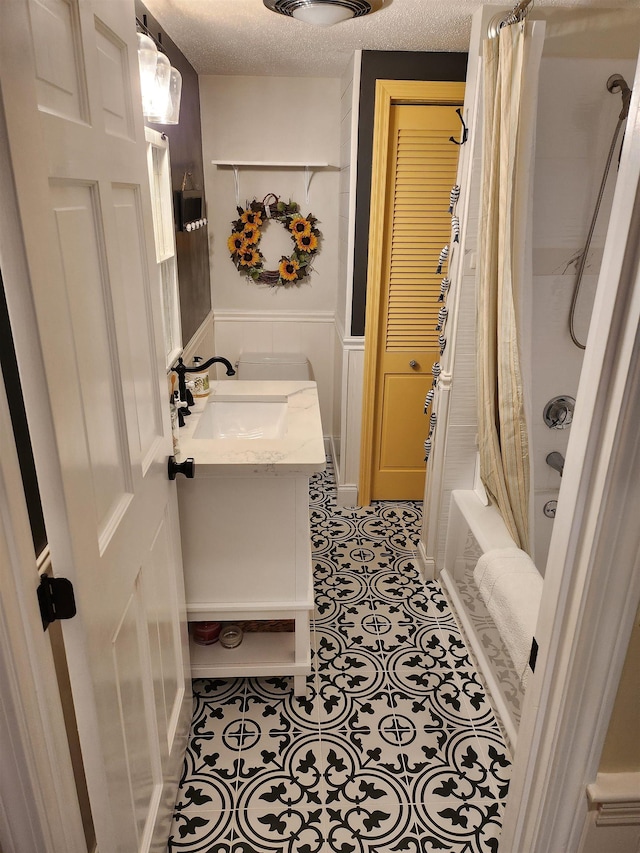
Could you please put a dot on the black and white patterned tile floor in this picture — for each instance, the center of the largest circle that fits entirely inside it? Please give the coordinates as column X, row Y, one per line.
column 394, row 748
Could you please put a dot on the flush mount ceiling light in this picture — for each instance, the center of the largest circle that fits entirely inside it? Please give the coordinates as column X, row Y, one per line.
column 323, row 13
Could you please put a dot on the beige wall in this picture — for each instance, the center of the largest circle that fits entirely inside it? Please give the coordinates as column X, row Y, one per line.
column 285, row 121
column 272, row 119
column 621, row 752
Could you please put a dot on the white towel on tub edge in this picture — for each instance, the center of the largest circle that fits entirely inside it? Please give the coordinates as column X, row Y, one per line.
column 497, row 562
column 511, row 587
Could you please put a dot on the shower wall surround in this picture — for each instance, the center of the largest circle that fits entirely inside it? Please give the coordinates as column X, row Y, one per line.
column 576, row 121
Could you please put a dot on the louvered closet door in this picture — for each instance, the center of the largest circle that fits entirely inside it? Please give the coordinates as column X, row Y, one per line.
column 422, row 170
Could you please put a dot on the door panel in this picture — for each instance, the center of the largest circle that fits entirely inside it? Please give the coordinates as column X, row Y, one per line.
column 115, row 91
column 163, row 604
column 141, row 777
column 68, row 74
column 85, row 283
column 57, row 52
column 422, row 165
column 134, row 297
column 403, row 395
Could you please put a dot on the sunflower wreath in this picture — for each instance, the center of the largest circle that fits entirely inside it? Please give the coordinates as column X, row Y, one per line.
column 244, row 242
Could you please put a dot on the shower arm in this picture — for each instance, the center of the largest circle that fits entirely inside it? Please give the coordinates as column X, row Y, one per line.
column 615, row 83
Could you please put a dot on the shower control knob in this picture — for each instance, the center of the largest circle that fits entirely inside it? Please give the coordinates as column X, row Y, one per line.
column 188, row 468
column 558, row 413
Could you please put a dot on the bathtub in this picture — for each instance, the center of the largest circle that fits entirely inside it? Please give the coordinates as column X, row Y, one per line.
column 542, row 523
column 473, row 530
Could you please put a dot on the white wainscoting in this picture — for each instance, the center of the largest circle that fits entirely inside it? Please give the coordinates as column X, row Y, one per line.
column 348, row 451
column 312, row 333
column 613, row 820
column 202, row 343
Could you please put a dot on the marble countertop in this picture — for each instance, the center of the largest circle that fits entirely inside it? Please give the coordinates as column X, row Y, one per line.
column 300, row 450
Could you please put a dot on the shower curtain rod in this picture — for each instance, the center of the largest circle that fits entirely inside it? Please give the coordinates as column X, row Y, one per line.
column 517, row 14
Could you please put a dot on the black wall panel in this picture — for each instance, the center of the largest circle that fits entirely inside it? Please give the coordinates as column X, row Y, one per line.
column 386, row 65
column 185, row 150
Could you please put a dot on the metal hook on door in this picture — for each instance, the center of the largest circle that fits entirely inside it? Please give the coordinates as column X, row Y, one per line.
column 465, row 130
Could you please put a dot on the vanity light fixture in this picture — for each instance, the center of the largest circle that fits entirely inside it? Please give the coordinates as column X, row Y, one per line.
column 160, row 82
column 323, row 13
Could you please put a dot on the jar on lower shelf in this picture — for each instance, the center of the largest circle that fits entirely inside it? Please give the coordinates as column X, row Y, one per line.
column 206, row 633
column 231, row 636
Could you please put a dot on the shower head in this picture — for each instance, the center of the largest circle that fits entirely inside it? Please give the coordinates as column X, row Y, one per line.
column 617, row 83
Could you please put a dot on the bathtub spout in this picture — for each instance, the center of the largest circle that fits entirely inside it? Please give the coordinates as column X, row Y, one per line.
column 556, row 461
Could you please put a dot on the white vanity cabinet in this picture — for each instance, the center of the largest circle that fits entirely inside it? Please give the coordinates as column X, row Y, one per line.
column 244, row 522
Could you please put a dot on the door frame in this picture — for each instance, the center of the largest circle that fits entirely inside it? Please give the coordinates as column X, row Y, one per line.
column 39, row 808
column 39, row 811
column 388, row 93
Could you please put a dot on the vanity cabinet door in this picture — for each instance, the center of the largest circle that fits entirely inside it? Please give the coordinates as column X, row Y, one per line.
column 245, row 539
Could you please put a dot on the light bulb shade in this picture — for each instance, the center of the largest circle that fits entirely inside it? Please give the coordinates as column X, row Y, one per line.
column 159, row 100
column 323, row 13
column 147, row 62
column 175, row 94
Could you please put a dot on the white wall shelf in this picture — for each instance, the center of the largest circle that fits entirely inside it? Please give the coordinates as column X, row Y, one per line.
column 309, row 169
column 274, row 164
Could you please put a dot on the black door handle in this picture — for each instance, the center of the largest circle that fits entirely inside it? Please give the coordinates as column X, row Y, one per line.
column 188, row 468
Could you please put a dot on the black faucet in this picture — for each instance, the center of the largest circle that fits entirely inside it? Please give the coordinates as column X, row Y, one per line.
column 181, row 369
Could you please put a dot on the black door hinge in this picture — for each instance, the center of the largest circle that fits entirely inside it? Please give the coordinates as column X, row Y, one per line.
column 56, row 599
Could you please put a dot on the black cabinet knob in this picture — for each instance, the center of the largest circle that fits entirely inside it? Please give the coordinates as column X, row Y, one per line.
column 188, row 468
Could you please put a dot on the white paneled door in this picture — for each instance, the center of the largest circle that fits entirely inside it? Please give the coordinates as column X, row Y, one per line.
column 92, row 365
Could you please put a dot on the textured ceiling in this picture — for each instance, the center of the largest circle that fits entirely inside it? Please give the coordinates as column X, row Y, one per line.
column 242, row 37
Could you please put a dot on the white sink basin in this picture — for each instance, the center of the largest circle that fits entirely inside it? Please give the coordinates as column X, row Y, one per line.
column 244, row 417
column 282, row 419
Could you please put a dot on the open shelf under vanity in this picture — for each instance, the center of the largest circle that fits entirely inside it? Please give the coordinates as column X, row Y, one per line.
column 261, row 653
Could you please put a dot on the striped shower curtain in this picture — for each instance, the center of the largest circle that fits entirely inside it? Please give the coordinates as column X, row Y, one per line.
column 502, row 431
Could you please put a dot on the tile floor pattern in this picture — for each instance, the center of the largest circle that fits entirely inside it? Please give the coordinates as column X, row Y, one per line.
column 395, row 747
